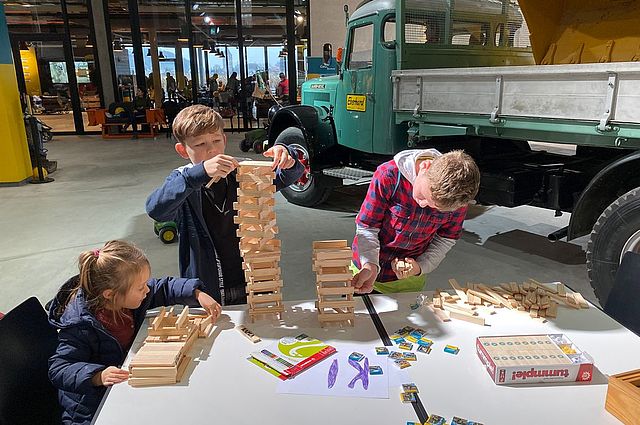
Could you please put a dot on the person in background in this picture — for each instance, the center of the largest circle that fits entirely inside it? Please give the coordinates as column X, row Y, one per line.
column 282, row 90
column 171, row 86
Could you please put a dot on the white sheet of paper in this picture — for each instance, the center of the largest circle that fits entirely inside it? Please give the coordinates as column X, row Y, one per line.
column 314, row 381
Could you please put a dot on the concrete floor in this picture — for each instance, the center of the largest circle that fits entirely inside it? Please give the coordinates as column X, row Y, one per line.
column 101, row 186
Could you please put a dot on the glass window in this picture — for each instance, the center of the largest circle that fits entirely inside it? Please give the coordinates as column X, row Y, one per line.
column 255, row 59
column 361, row 54
column 389, row 31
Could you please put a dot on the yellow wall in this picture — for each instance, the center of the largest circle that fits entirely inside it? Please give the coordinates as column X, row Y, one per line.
column 30, row 70
column 15, row 163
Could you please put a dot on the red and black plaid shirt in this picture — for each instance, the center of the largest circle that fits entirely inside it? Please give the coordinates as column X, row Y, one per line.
column 406, row 229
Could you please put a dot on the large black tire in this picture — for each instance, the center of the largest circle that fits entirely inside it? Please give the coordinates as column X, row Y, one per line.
column 311, row 189
column 616, row 232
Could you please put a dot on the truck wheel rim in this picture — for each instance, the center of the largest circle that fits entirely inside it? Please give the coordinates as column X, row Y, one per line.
column 306, row 179
column 632, row 244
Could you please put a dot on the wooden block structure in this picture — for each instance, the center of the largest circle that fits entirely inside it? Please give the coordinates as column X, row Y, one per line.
column 539, row 300
column 162, row 359
column 623, row 397
column 331, row 260
column 257, row 231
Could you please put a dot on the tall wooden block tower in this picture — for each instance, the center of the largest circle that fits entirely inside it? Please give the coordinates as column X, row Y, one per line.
column 259, row 247
column 331, row 261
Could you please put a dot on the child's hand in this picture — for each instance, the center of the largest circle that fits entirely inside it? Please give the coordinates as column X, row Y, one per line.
column 209, row 304
column 109, row 376
column 405, row 268
column 363, row 280
column 220, row 166
column 281, row 157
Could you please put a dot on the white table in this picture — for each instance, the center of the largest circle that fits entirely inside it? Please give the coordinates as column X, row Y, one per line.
column 222, row 387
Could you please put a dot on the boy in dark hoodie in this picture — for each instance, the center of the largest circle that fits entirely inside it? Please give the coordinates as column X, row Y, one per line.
column 209, row 248
column 99, row 313
column 411, row 217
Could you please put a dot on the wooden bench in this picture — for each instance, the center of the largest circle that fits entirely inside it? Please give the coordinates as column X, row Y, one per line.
column 154, row 118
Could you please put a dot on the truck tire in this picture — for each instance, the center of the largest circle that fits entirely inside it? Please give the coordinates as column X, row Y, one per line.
column 616, row 232
column 309, row 190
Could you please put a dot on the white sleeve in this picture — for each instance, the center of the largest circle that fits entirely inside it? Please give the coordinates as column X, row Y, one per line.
column 368, row 245
column 435, row 253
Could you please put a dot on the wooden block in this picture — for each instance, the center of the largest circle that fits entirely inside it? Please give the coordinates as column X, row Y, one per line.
column 580, row 300
column 330, row 244
column 333, row 254
column 154, row 372
column 483, row 296
column 261, row 286
column 533, row 312
column 341, row 290
column 337, row 277
column 262, row 166
column 552, row 310
column 257, row 193
column 157, row 322
column 561, row 289
column 437, row 301
column 263, row 298
column 441, row 315
column 456, row 287
column 336, row 304
column 495, row 295
column 147, row 382
column 269, row 218
column 458, row 308
column 247, row 333
column 467, row 318
column 182, row 318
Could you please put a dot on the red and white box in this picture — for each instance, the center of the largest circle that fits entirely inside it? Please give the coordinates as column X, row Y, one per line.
column 526, row 359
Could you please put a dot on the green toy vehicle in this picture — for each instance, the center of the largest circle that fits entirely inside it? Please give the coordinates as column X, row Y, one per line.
column 167, row 231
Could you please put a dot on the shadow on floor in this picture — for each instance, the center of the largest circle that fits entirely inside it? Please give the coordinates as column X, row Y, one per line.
column 529, row 243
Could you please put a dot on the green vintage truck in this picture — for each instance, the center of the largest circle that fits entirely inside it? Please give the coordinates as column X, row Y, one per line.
column 489, row 76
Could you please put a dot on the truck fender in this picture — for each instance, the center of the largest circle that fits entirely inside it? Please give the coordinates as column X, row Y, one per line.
column 316, row 124
column 621, row 175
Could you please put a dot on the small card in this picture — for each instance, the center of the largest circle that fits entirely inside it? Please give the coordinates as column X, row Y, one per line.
column 382, row 351
column 410, row 388
column 408, row 397
column 405, row 346
column 402, row 363
column 410, row 357
column 375, row 370
column 355, row 356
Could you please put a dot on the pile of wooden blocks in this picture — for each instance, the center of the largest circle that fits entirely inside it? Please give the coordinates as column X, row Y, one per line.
column 162, row 359
column 257, row 231
column 331, row 260
column 540, row 301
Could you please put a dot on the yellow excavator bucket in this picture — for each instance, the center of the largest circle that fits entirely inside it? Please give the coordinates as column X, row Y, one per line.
column 583, row 31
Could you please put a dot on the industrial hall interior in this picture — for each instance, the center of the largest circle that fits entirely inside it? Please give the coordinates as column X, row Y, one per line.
column 348, row 211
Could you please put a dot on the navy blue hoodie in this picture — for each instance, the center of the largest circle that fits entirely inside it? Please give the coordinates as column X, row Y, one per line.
column 180, row 199
column 85, row 347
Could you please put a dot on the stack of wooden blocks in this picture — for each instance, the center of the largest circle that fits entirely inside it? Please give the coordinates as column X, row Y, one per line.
column 331, row 261
column 535, row 298
column 257, row 231
column 162, row 359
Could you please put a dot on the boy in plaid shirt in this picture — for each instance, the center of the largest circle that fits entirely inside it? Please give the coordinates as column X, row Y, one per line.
column 411, row 217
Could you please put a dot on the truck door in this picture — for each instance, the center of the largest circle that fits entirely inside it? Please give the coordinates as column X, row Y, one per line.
column 355, row 97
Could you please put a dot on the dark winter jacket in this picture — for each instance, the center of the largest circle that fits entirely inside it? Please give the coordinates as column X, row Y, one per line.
column 179, row 199
column 86, row 348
